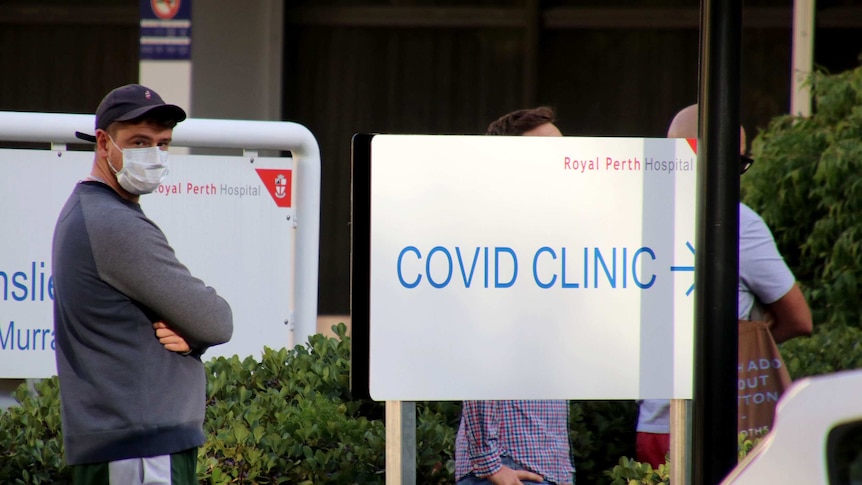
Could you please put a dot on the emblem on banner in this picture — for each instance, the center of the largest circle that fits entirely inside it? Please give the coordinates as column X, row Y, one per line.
column 165, row 9
column 278, row 183
column 280, row 186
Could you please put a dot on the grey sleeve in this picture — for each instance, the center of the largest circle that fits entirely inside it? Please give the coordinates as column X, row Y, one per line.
column 133, row 255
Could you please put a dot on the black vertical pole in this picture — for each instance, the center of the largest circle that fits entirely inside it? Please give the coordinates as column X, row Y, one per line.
column 714, row 444
column 532, row 20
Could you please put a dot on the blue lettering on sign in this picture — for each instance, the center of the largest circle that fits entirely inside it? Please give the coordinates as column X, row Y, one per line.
column 26, row 338
column 614, row 267
column 418, row 279
column 440, row 266
column 467, row 279
column 439, row 249
column 567, row 284
column 549, row 284
column 17, row 279
column 610, row 275
column 634, row 265
column 497, row 283
column 611, row 267
column 23, row 286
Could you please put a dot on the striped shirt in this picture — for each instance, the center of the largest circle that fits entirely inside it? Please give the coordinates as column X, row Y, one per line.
column 533, row 433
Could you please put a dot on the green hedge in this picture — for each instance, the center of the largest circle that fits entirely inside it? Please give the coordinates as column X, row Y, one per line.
column 289, row 418
column 31, row 446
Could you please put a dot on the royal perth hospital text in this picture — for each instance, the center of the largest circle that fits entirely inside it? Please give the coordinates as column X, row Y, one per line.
column 609, row 164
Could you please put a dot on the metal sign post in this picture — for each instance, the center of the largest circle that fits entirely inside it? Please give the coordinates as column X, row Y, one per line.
column 717, row 259
column 400, row 443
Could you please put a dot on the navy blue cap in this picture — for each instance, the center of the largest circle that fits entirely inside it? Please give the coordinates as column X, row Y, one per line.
column 131, row 102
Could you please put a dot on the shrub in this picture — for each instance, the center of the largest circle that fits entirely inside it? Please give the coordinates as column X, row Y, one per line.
column 436, row 425
column 289, row 418
column 600, row 432
column 807, row 186
column 829, row 349
column 293, row 420
column 31, row 446
column 271, row 440
column 631, row 472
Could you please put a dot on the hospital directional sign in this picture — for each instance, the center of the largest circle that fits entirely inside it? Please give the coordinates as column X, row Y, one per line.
column 526, row 267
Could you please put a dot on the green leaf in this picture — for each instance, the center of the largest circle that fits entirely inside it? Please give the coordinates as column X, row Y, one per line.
column 240, row 432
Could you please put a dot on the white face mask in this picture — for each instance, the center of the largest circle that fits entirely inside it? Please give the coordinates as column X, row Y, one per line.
column 143, row 170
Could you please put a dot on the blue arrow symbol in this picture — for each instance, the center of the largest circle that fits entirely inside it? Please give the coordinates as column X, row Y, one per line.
column 686, row 268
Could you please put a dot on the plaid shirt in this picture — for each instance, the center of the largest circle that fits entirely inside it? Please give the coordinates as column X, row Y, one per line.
column 533, row 433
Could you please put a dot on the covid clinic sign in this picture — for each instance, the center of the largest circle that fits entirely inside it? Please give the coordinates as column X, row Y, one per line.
column 229, row 219
column 530, row 267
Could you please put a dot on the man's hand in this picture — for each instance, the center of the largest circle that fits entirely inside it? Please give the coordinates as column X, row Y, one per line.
column 508, row 476
column 170, row 339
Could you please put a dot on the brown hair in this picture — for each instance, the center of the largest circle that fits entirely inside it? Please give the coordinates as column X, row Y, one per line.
column 520, row 121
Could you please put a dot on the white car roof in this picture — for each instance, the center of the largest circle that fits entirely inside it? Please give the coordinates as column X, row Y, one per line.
column 794, row 451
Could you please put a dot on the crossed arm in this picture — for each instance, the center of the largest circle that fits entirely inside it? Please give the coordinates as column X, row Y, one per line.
column 172, row 341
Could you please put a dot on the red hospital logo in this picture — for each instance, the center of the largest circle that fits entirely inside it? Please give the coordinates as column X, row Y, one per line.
column 278, row 183
column 165, row 9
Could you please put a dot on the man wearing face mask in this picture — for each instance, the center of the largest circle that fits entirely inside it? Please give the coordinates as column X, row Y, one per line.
column 130, row 321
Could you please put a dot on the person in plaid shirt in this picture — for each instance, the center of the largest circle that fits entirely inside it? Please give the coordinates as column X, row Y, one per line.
column 515, row 442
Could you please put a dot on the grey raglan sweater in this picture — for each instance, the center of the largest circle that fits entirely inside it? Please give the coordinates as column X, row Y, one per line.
column 123, row 394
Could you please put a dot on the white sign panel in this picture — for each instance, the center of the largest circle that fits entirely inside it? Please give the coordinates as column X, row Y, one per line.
column 531, row 268
column 229, row 219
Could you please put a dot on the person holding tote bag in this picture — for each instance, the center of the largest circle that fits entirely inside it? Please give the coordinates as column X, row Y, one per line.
column 771, row 309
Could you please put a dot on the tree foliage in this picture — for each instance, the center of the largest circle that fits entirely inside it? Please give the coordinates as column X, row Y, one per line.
column 807, row 186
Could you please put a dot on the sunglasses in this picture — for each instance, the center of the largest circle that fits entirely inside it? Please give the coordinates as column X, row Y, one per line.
column 746, row 163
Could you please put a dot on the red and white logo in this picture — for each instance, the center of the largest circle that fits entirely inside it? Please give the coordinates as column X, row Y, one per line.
column 692, row 142
column 278, row 183
column 280, row 186
column 165, row 9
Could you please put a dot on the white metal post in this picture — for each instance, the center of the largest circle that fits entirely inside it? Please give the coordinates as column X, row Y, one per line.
column 803, row 48
column 680, row 441
column 400, row 443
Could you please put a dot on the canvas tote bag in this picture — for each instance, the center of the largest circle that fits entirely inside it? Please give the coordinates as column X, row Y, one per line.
column 763, row 377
